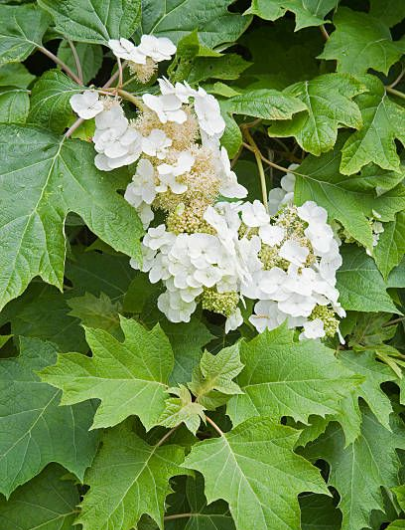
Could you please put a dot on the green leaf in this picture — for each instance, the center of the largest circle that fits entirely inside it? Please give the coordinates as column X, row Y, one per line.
column 212, row 382
column 391, row 245
column 328, row 99
column 399, row 524
column 90, row 57
column 284, row 377
column 375, row 373
column 361, row 42
column 51, row 177
column 50, row 97
column 399, row 491
column 359, row 471
column 22, row 29
column 96, row 312
column 361, row 285
column 319, row 513
column 267, row 104
column 255, row 470
column 96, row 273
column 14, row 105
column 98, row 22
column 29, row 316
column 182, row 409
column 46, row 502
column 128, row 377
column 34, row 429
column 215, row 24
column 128, row 478
column 382, row 125
column 390, row 12
column 15, row 74
column 307, row 12
column 349, row 200
column 227, row 67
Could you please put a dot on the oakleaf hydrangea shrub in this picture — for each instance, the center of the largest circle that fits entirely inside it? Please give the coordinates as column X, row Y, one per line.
column 202, row 257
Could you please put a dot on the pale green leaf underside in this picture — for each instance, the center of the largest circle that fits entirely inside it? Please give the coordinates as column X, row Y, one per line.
column 255, row 470
column 128, row 478
column 287, row 378
column 34, row 429
column 42, row 178
column 129, row 377
column 94, row 21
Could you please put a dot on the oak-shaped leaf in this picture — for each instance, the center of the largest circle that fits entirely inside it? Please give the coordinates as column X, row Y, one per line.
column 382, row 124
column 42, row 178
column 212, row 382
column 47, row 501
column 181, row 409
column 284, row 377
column 307, row 12
column 253, row 468
column 128, row 478
column 351, row 200
column 34, row 429
column 330, row 105
column 128, row 377
column 360, row 470
column 360, row 42
column 21, row 32
column 97, row 22
column 361, row 285
column 215, row 24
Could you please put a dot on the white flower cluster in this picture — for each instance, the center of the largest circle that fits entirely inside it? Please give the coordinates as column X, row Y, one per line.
column 211, row 252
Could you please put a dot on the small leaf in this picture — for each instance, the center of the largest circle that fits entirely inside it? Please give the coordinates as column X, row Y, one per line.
column 128, row 377
column 361, row 42
column 361, row 285
column 128, row 478
column 359, row 471
column 182, row 409
column 212, row 382
column 96, row 312
column 391, row 245
column 319, row 513
column 15, row 74
column 284, row 377
column 307, row 12
column 100, row 21
column 22, row 29
column 47, row 501
column 14, row 105
column 255, row 470
column 328, row 99
column 34, row 429
column 267, row 104
column 382, row 125
column 50, row 97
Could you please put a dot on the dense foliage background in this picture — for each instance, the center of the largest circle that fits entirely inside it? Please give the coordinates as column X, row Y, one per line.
column 293, row 434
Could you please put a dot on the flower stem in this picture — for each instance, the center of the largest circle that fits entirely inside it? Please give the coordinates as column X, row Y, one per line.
column 129, row 97
column 215, row 426
column 395, row 92
column 166, row 436
column 64, row 66
column 77, row 61
column 258, row 158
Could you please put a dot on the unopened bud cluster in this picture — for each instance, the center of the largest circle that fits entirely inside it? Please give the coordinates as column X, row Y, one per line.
column 209, row 251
